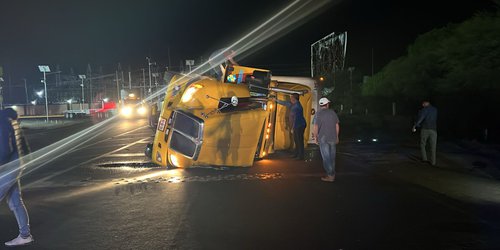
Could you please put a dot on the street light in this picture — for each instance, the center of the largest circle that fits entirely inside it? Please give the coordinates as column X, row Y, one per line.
column 45, row 69
column 39, row 93
column 83, row 95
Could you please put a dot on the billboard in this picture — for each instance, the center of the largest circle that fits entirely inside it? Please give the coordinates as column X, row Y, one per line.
column 328, row 54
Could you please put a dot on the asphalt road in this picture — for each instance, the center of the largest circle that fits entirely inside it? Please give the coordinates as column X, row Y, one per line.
column 104, row 194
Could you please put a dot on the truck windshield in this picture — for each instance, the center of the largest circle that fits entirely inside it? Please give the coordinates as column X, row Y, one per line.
column 130, row 101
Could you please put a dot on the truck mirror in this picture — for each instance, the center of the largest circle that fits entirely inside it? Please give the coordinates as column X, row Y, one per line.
column 149, row 150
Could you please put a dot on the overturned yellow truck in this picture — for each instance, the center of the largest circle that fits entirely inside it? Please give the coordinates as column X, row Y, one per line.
column 228, row 122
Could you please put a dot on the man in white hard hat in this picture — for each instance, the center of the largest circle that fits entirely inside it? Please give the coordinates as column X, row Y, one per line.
column 326, row 135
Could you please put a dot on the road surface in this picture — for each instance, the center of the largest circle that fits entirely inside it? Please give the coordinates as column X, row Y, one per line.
column 106, row 194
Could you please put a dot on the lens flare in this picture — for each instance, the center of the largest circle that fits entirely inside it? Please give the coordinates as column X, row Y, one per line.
column 273, row 28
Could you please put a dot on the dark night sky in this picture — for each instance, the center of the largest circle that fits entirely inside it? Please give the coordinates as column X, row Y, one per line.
column 103, row 33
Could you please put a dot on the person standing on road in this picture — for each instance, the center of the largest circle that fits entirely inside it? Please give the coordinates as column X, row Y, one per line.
column 326, row 135
column 427, row 120
column 10, row 170
column 298, row 123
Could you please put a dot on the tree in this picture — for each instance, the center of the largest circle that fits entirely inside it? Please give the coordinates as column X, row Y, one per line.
column 457, row 66
column 455, row 59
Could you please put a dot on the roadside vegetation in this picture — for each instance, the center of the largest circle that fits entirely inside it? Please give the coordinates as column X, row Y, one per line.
column 457, row 67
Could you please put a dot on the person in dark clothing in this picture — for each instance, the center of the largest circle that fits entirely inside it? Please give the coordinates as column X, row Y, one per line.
column 427, row 121
column 298, row 124
column 11, row 148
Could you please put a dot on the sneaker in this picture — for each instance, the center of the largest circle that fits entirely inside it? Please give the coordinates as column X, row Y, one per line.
column 20, row 241
column 328, row 178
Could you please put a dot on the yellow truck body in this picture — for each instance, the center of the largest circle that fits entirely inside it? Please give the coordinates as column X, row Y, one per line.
column 227, row 122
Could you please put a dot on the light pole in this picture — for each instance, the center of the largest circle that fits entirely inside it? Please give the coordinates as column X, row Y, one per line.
column 45, row 69
column 149, row 68
column 83, row 95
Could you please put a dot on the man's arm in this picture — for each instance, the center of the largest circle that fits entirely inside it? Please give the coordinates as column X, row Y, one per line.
column 284, row 103
column 421, row 117
column 337, row 127
column 315, row 133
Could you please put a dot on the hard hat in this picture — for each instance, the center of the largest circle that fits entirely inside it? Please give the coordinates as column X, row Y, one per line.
column 323, row 101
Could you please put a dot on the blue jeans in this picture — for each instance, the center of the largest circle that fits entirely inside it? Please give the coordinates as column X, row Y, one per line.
column 328, row 152
column 10, row 188
column 298, row 138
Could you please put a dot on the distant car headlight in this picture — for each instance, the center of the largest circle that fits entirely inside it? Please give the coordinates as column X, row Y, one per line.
column 126, row 111
column 142, row 110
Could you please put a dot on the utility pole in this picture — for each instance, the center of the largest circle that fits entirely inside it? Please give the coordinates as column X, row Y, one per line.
column 123, row 80
column 350, row 79
column 117, row 86
column 45, row 94
column 144, row 80
column 26, row 94
column 26, row 91
column 149, row 74
column 168, row 56
column 149, row 68
column 89, row 73
column 130, row 80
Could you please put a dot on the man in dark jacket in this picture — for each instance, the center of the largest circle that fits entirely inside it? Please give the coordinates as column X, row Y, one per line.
column 427, row 120
column 10, row 171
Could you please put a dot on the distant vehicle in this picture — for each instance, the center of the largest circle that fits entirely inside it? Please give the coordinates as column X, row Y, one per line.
column 227, row 122
column 132, row 107
column 106, row 110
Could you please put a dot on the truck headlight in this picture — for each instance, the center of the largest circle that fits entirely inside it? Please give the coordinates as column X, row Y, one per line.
column 188, row 94
column 174, row 160
column 142, row 110
column 126, row 111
